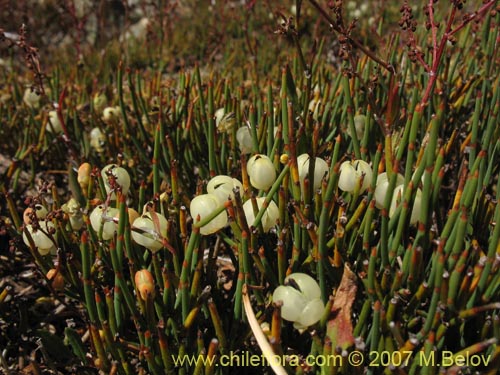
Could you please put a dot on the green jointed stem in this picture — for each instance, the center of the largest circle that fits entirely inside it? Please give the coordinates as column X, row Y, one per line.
column 126, row 125
column 156, row 159
column 325, row 217
column 366, row 247
column 211, row 132
column 219, row 329
column 184, row 279
column 415, row 123
column 493, row 247
column 438, row 277
column 270, row 119
column 135, row 104
column 238, row 301
column 87, row 283
column 270, row 194
column 253, row 130
column 113, row 324
column 284, row 109
column 123, row 287
column 375, row 330
column 350, row 115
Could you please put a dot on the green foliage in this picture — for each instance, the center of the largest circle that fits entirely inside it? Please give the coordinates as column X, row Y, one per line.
column 425, row 265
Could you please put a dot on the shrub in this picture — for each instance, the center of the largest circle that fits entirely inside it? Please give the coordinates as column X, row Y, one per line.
column 408, row 277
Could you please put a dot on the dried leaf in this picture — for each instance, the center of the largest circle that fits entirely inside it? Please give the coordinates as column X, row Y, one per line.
column 264, row 345
column 340, row 326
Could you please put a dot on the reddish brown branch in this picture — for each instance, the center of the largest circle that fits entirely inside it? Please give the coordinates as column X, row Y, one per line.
column 434, row 27
column 486, row 7
column 438, row 53
column 353, row 41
